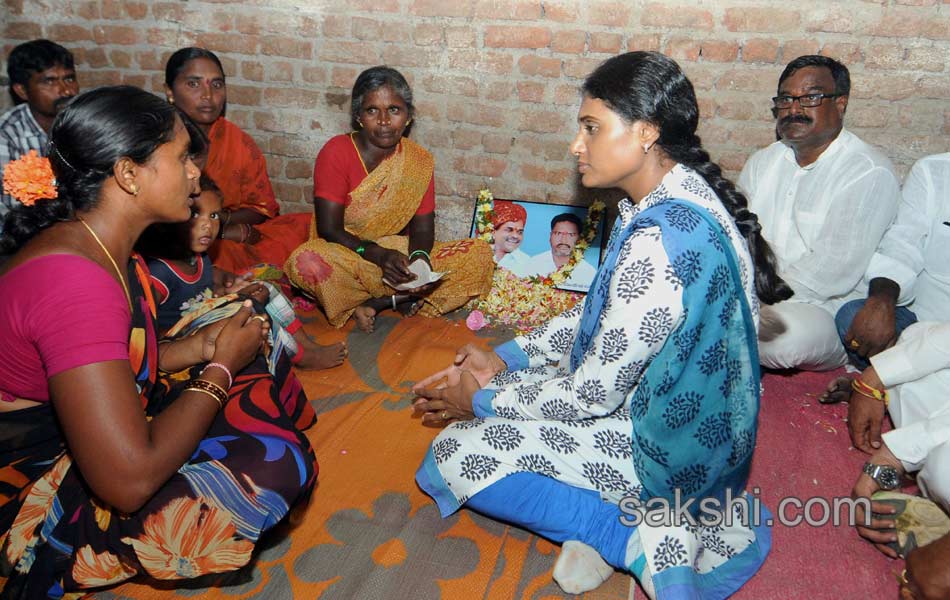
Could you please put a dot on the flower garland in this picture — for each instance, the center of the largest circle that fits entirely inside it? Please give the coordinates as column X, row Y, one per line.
column 524, row 303
column 29, row 178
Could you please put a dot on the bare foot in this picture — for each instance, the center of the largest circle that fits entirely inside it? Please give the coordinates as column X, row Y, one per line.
column 839, row 389
column 365, row 318
column 315, row 356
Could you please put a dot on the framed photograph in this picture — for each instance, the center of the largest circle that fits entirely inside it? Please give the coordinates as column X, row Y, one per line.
column 534, row 239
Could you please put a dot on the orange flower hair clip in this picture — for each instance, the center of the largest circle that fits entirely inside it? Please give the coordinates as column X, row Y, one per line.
column 29, row 178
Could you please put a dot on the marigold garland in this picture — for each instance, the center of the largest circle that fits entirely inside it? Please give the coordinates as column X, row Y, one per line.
column 524, row 303
column 29, row 178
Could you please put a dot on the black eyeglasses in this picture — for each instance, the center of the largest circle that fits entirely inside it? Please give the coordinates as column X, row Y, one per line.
column 805, row 100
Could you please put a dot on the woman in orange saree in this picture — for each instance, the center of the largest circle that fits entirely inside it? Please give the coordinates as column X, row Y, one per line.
column 252, row 229
column 374, row 197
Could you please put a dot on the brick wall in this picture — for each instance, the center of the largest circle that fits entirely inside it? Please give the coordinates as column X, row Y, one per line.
column 496, row 80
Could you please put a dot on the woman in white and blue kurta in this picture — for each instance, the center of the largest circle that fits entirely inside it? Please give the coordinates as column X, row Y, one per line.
column 648, row 389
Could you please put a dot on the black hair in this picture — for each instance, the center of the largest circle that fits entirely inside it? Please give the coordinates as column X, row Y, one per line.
column 206, row 184
column 569, row 218
column 177, row 61
column 650, row 87
column 839, row 72
column 97, row 129
column 371, row 80
column 33, row 57
column 199, row 144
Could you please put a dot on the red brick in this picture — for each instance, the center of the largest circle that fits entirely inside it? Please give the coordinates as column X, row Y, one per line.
column 121, row 59
column 707, row 107
column 886, row 86
column 378, row 31
column 349, row 52
column 96, row 57
column 701, row 75
column 934, row 86
column 907, row 24
column 120, row 9
column 335, row 26
column 169, row 11
column 245, row 95
column 507, row 36
column 456, row 86
column 544, row 175
column 429, row 111
column 792, row 49
column 536, row 65
column 530, row 91
column 644, row 41
column 344, row 77
column 499, row 90
column 427, row 34
column 314, row 74
column 719, row 50
column 542, row 121
column 569, row 42
column 466, row 139
column 732, row 162
column 751, row 136
column 496, row 143
column 249, row 24
column 407, row 56
column 229, row 42
column 880, row 56
column 829, row 19
column 293, row 194
column 760, row 50
column 151, row 60
column 613, row 14
column 868, row 114
column 495, row 63
column 91, row 79
column 136, row 79
column 459, row 37
column 442, row 8
column 229, row 64
column 298, row 169
column 666, row 17
column 744, row 110
column 338, row 100
column 252, row 71
column 748, row 79
column 156, row 36
column 844, row 52
column 390, row 6
column 22, row 30
column 475, row 114
column 294, row 24
column 280, row 71
column 567, row 95
column 681, row 48
column 751, row 18
column 480, row 165
column 275, row 45
column 84, row 10
column 929, row 58
column 562, row 12
column 291, row 146
column 608, row 43
column 579, row 68
column 65, row 34
column 521, row 10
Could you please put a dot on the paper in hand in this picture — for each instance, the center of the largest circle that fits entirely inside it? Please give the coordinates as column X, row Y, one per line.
column 424, row 274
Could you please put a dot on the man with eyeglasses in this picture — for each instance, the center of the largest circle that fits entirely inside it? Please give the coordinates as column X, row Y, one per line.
column 42, row 81
column 824, row 199
column 566, row 229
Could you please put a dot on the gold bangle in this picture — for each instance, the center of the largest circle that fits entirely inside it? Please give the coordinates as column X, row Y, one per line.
column 207, row 393
column 210, row 387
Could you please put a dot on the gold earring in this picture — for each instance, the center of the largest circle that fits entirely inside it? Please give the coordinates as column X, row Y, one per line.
column 409, row 122
column 171, row 100
column 134, row 188
column 646, row 148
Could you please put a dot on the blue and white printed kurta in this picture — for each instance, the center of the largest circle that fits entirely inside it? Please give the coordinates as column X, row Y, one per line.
column 575, row 425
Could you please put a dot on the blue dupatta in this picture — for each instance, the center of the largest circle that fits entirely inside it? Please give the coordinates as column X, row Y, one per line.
column 695, row 408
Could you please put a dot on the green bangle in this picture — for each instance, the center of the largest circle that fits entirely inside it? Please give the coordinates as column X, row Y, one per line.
column 361, row 249
column 422, row 252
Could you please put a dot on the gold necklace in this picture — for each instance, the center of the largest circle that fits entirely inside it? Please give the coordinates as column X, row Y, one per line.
column 125, row 286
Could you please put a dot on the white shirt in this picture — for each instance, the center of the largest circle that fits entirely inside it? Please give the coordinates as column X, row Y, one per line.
column 915, row 251
column 918, row 366
column 823, row 221
column 515, row 261
column 581, row 276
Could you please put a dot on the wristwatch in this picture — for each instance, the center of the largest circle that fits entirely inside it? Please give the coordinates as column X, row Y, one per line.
column 886, row 476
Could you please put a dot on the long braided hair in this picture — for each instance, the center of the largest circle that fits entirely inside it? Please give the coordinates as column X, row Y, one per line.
column 650, row 87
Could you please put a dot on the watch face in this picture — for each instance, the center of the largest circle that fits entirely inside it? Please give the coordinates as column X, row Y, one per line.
column 888, row 478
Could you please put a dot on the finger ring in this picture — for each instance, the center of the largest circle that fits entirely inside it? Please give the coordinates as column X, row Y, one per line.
column 902, row 578
column 855, row 344
column 260, row 318
column 445, row 415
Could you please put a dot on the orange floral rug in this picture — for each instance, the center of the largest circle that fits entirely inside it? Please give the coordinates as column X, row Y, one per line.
column 370, row 534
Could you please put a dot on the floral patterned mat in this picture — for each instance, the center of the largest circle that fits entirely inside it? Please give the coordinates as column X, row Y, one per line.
column 369, row 533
